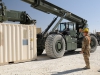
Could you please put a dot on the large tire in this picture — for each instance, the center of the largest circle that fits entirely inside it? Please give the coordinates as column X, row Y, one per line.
column 93, row 44
column 39, row 51
column 52, row 48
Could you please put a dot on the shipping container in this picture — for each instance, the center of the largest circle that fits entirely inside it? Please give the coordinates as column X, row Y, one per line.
column 18, row 43
column 38, row 30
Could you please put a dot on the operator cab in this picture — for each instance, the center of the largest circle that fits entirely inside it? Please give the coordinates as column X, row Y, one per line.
column 67, row 28
column 66, row 25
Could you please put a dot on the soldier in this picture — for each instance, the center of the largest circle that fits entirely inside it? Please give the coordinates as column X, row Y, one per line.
column 66, row 30
column 86, row 48
column 80, row 32
column 80, row 29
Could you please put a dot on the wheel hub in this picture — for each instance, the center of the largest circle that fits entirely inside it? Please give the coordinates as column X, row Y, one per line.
column 58, row 46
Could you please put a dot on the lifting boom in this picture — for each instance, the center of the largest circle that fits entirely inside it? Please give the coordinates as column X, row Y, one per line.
column 48, row 7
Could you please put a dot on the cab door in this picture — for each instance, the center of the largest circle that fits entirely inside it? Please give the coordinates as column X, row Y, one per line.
column 73, row 35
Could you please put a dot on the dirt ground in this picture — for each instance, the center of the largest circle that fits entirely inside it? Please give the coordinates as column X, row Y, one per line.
column 70, row 64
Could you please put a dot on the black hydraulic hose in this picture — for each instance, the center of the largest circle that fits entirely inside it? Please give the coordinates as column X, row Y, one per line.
column 49, row 26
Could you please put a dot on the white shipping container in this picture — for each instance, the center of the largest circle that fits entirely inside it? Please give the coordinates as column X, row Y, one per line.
column 17, row 43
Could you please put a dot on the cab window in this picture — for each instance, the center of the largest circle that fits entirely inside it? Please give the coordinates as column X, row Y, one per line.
column 62, row 26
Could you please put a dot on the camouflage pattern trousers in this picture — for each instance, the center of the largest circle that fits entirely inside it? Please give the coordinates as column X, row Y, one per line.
column 86, row 56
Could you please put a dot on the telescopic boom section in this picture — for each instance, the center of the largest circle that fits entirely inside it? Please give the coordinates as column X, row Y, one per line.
column 48, row 7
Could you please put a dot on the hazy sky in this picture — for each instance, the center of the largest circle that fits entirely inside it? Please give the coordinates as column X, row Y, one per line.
column 87, row 9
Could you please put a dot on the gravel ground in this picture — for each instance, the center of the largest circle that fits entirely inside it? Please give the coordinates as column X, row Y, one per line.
column 71, row 64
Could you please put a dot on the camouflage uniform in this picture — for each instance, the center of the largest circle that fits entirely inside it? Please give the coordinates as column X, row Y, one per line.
column 86, row 50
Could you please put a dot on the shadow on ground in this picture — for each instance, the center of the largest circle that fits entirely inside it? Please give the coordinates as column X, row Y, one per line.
column 68, row 71
column 45, row 57
column 71, row 53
